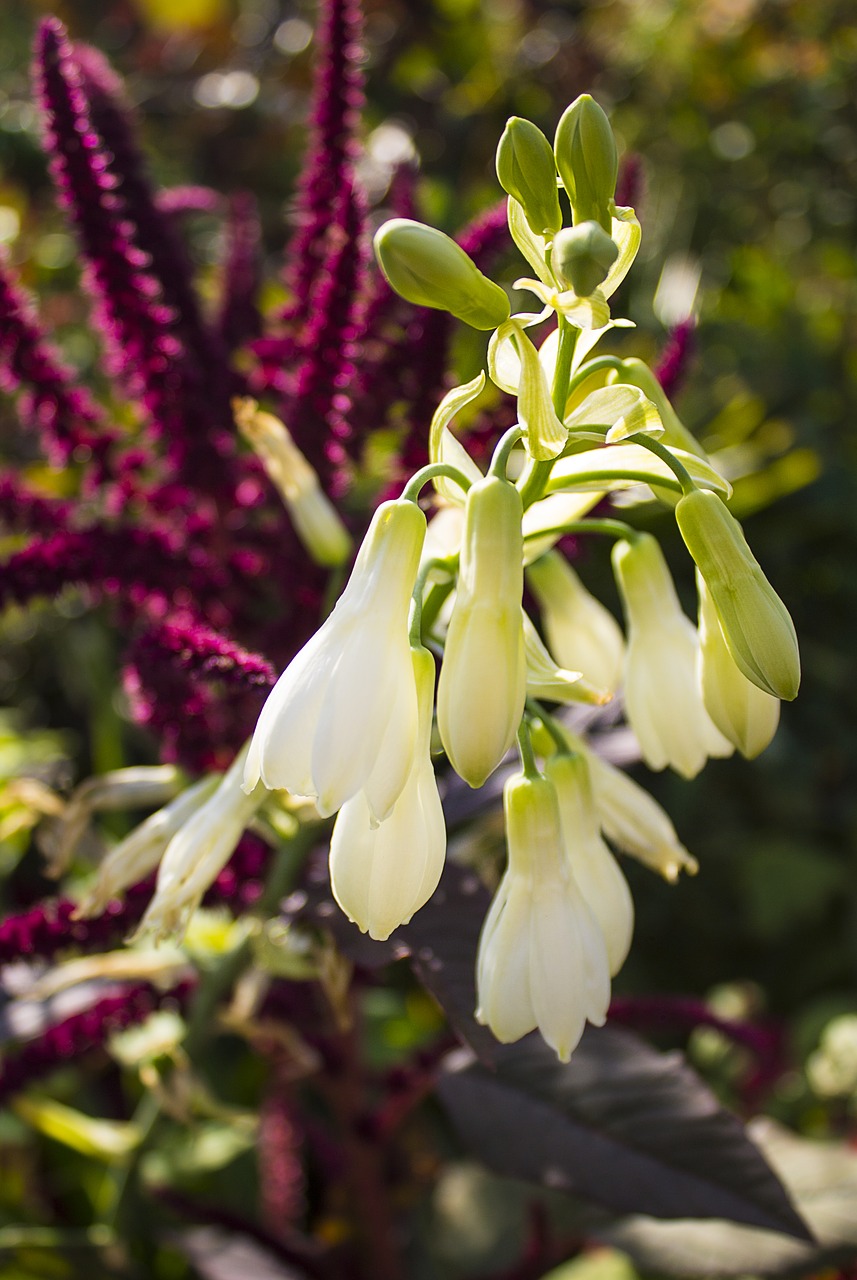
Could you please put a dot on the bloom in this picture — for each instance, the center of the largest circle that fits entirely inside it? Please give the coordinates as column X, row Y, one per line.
column 141, row 851
column 542, row 958
column 744, row 713
column 757, row 628
column 343, row 716
column 582, row 634
column 594, row 867
column 663, row 699
column 482, row 688
column 425, row 267
column 199, row 851
column 382, row 873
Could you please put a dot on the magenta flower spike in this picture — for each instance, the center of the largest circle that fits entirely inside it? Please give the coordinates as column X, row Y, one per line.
column 337, row 101
column 51, row 401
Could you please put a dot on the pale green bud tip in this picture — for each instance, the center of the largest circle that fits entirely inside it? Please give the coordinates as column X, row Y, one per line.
column 526, row 170
column 583, row 255
column 587, row 160
column 426, row 267
column 756, row 625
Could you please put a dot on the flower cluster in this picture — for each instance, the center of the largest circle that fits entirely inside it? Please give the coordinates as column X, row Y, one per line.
column 348, row 729
column 348, row 725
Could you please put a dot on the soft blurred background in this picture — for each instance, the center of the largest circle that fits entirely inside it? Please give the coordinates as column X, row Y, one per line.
column 742, row 113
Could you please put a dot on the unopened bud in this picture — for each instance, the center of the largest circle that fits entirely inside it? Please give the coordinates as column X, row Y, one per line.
column 756, row 625
column 315, row 519
column 526, row 170
column 483, row 679
column 427, row 268
column 587, row 161
column 583, row 255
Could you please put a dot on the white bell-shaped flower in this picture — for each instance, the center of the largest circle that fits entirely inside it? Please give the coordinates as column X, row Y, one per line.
column 582, row 634
column 542, row 957
column 343, row 716
column 663, row 699
column 140, row 852
column 483, row 679
column 634, row 821
column 746, row 714
column 596, row 871
column 382, row 873
column 199, row 851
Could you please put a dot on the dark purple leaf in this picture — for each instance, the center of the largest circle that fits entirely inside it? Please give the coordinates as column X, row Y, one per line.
column 622, row 1125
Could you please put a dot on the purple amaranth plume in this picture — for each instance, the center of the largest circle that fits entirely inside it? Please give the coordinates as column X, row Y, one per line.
column 145, row 306
column 51, row 402
column 337, row 101
column 197, row 691
column 317, row 411
column 630, row 185
column 22, row 510
column 143, row 567
column 239, row 320
column 677, row 354
column 49, row 929
column 81, row 1033
column 188, row 200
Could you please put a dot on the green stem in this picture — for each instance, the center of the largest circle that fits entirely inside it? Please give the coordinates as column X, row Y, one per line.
column 552, row 725
column 661, row 451
column 411, row 491
column 593, row 366
column 609, row 528
column 525, row 747
column 568, row 334
column 505, row 445
column 415, row 622
column 537, row 475
column 572, row 484
column 434, row 602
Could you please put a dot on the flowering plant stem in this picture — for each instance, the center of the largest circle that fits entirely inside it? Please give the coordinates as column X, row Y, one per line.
column 411, row 491
column 538, row 474
column 666, row 455
column 610, row 528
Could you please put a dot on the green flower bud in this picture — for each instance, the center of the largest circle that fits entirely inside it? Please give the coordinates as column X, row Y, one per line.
column 583, row 255
column 756, row 625
column 482, row 687
column 427, row 268
column 587, row 161
column 526, row 170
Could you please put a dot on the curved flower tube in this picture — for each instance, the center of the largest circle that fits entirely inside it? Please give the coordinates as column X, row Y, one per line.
column 382, row 873
column 343, row 716
column 542, row 957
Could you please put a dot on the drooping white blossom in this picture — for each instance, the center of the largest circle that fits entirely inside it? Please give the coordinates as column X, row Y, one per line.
column 343, row 716
column 382, row 873
column 663, row 698
column 542, row 958
column 594, row 867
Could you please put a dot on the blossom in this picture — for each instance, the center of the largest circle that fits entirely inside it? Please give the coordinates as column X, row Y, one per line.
column 594, row 867
column 634, row 822
column 343, row 716
column 483, row 679
column 663, row 699
column 582, row 634
column 744, row 713
column 542, row 958
column 757, row 628
column 382, row 873
column 315, row 518
column 199, row 851
column 140, row 852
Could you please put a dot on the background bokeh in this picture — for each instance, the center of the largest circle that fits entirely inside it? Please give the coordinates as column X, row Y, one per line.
column 743, row 115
